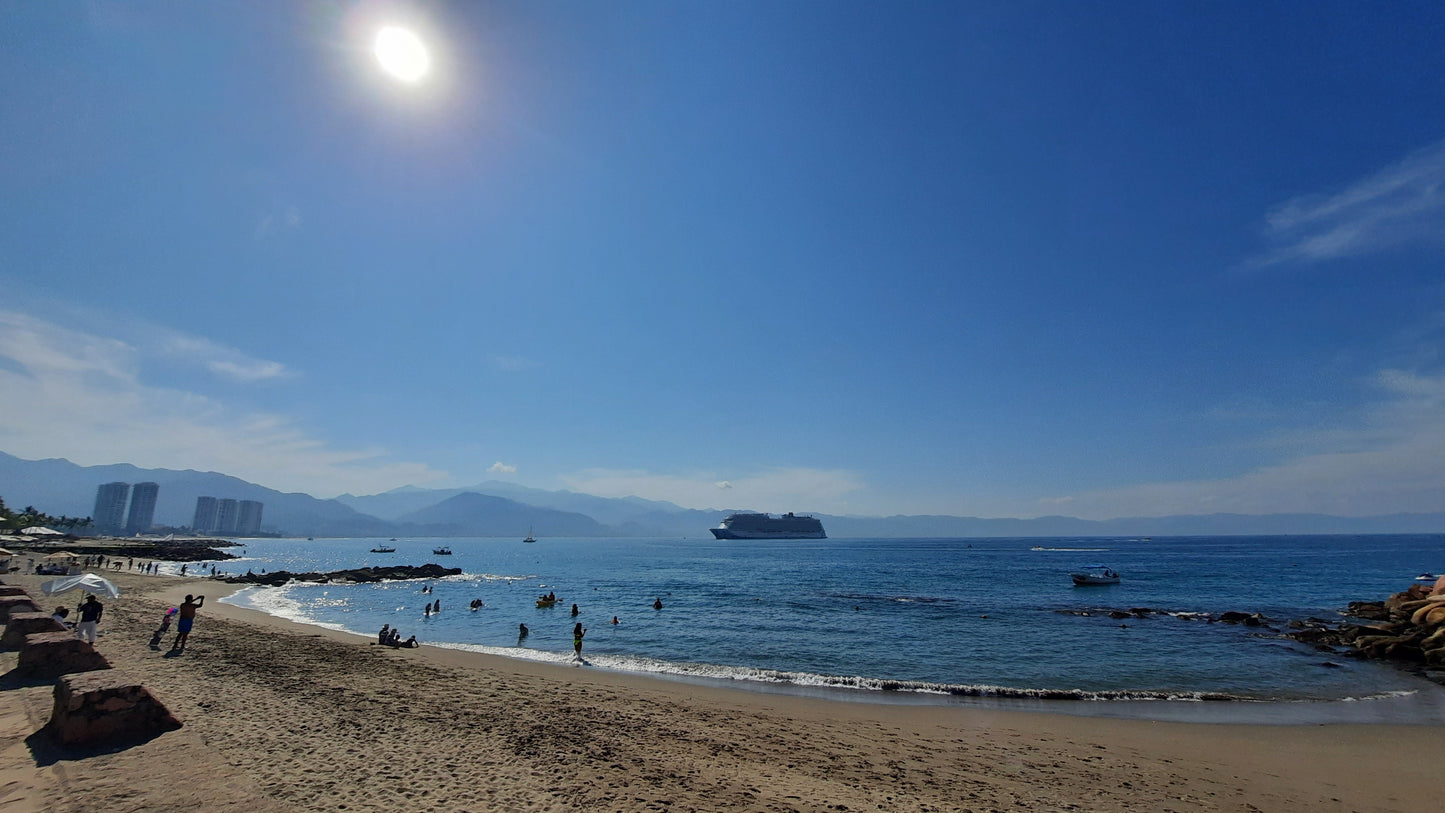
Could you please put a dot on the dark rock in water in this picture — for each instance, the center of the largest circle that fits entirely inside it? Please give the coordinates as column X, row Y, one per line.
column 1329, row 665
column 363, row 575
column 1368, row 610
column 1120, row 614
column 1247, row 619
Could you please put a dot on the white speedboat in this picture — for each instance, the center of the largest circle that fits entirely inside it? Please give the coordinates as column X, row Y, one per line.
column 1095, row 574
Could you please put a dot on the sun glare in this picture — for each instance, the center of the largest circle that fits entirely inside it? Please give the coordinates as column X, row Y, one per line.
column 401, row 53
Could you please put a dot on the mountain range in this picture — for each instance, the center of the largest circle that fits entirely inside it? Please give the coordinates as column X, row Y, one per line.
column 493, row 508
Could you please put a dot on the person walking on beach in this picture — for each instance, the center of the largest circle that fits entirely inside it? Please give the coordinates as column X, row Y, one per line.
column 90, row 613
column 186, row 621
column 577, row 633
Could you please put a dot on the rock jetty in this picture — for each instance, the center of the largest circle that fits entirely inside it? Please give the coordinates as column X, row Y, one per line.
column 169, row 550
column 360, row 575
column 1407, row 628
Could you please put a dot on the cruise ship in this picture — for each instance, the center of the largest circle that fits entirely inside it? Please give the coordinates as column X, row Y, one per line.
column 763, row 526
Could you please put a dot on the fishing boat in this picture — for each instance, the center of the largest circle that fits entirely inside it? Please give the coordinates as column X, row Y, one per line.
column 530, row 538
column 442, row 551
column 1093, row 575
column 383, row 549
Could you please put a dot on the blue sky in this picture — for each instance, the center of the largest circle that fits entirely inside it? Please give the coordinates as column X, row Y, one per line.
column 993, row 259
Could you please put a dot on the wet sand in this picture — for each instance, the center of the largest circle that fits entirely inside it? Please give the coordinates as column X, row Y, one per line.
column 282, row 716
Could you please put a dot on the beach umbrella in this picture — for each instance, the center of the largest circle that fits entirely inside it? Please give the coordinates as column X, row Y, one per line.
column 89, row 582
column 62, row 555
column 4, row 552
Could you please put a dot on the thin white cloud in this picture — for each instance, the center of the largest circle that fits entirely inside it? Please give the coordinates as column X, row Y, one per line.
column 776, row 490
column 502, row 468
column 257, row 371
column 72, row 394
column 1391, row 461
column 1399, row 205
column 225, row 362
column 278, row 220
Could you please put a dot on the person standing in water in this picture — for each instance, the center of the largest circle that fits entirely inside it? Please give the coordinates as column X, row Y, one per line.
column 577, row 633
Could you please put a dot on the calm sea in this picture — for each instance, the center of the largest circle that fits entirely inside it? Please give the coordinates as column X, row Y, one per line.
column 906, row 620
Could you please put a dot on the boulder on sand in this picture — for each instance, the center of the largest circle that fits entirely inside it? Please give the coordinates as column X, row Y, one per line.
column 23, row 624
column 94, row 708
column 52, row 654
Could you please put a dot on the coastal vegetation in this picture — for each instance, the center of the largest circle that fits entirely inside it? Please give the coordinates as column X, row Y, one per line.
column 29, row 517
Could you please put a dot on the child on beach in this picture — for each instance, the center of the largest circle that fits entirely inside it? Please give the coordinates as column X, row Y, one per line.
column 162, row 629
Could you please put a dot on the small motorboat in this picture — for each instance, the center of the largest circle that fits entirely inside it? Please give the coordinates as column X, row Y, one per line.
column 383, row 549
column 1426, row 577
column 442, row 551
column 1093, row 575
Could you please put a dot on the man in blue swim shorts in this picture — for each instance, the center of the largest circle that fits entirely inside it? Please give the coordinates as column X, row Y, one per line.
column 186, row 620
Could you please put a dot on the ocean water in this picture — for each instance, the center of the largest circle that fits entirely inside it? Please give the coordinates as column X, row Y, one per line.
column 912, row 620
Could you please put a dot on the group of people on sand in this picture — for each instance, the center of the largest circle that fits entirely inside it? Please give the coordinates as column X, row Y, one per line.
column 390, row 636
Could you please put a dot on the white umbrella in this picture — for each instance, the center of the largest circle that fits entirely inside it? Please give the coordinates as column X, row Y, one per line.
column 89, row 581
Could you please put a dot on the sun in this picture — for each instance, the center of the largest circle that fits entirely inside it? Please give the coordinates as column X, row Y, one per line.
column 401, row 54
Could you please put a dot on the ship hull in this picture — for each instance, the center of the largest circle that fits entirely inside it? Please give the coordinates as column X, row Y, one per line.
column 727, row 533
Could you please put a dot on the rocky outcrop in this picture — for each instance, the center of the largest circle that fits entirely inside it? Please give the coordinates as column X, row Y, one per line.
column 1407, row 628
column 172, row 550
column 363, row 575
column 52, row 654
column 95, row 708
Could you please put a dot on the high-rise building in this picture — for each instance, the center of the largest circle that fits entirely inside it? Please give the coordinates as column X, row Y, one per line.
column 142, row 508
column 248, row 517
column 109, row 515
column 225, row 516
column 205, row 520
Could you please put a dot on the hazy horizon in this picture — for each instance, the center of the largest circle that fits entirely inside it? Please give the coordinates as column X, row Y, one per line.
column 915, row 258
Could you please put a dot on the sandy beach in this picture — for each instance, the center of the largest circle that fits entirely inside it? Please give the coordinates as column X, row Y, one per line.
column 280, row 716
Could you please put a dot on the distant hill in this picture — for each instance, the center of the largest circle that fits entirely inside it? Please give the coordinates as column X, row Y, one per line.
column 62, row 487
column 506, row 509
column 483, row 515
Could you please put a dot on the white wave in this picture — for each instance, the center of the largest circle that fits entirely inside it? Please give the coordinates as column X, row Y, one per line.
column 278, row 601
column 1071, row 550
